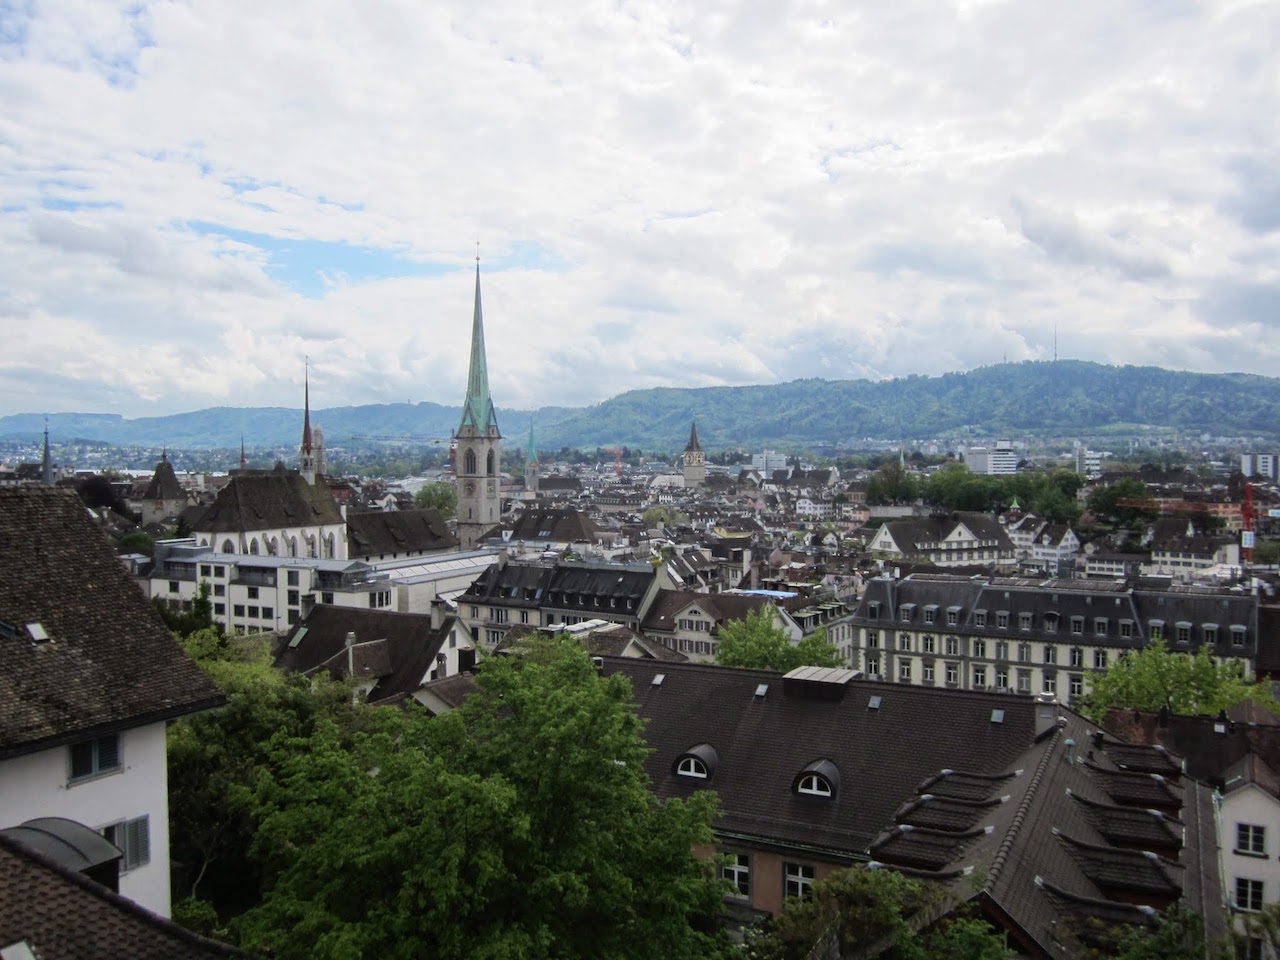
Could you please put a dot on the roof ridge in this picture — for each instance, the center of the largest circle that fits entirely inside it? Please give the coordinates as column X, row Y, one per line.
column 1006, row 844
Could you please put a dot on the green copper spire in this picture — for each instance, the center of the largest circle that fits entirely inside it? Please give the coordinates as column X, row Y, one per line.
column 477, row 410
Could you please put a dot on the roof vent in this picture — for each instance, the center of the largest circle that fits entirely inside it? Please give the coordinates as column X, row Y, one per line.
column 657, row 679
column 37, row 632
column 762, row 689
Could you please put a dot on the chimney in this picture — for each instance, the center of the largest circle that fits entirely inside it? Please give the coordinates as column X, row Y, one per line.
column 502, row 557
column 351, row 638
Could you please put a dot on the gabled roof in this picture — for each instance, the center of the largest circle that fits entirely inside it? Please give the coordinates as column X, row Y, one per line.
column 396, row 649
column 720, row 607
column 268, row 499
column 61, row 914
column 109, row 663
column 397, row 531
column 560, row 524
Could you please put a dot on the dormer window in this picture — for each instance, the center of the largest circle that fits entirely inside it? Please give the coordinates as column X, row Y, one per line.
column 906, row 611
column 818, row 779
column 931, row 613
column 698, row 762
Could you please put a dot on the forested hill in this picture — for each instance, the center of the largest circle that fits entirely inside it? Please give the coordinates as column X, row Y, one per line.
column 1061, row 398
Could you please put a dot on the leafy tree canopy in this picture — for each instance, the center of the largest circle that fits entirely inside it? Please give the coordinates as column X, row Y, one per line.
column 520, row 825
column 439, row 495
column 1103, row 502
column 863, row 912
column 756, row 641
column 1154, row 678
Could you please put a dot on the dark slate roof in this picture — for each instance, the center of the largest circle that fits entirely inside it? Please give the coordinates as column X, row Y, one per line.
column 109, row 663
column 576, row 586
column 511, row 584
column 909, row 533
column 398, row 649
column 559, row 482
column 263, row 499
column 720, row 607
column 65, row 916
column 379, row 532
column 616, row 640
column 164, row 484
column 568, row 525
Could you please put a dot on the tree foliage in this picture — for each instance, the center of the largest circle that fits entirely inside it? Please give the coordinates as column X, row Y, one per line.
column 1051, row 495
column 520, row 825
column 1104, row 502
column 864, row 912
column 1178, row 934
column 215, row 759
column 1155, row 678
column 756, row 641
column 440, row 495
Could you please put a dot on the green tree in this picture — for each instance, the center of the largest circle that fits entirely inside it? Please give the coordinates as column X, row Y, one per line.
column 215, row 758
column 1154, row 678
column 864, row 912
column 520, row 825
column 1177, row 934
column 756, row 641
column 137, row 542
column 440, row 496
column 1103, row 502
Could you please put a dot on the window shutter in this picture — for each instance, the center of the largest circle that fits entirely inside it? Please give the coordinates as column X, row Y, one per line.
column 137, row 842
column 108, row 752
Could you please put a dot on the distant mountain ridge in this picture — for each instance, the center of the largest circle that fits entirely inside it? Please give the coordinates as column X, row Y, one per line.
column 1061, row 398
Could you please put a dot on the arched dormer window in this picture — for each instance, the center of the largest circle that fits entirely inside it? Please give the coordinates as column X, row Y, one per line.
column 698, row 762
column 253, row 546
column 469, row 462
column 818, row 779
column 228, row 546
column 489, row 464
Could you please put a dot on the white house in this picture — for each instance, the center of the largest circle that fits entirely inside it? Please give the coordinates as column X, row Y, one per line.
column 91, row 677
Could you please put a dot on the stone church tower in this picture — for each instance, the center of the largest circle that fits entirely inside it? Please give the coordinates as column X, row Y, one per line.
column 479, row 446
column 531, row 468
column 695, row 460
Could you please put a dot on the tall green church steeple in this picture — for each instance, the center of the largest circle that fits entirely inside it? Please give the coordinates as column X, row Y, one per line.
column 477, row 410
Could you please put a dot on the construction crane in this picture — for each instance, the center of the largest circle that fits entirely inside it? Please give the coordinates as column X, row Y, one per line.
column 1248, row 515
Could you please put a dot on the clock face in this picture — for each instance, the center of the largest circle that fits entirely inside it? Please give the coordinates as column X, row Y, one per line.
column 469, row 487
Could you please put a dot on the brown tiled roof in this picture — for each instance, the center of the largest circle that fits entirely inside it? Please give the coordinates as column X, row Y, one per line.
column 399, row 649
column 397, row 531
column 164, row 484
column 259, row 500
column 109, row 662
column 62, row 915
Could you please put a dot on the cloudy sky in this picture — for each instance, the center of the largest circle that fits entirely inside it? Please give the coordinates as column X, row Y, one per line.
column 196, row 195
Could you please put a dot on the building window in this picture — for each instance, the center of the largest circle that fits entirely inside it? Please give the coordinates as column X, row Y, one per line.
column 1050, row 623
column 237, row 610
column 873, row 666
column 797, row 879
column 1251, row 838
column 1002, row 650
column 1211, row 634
column 1099, row 659
column 292, row 597
column 96, row 757
column 1024, row 653
column 1126, row 629
column 1050, row 683
column 326, row 598
column 206, row 570
column 692, row 767
column 1077, row 657
column 926, row 643
column 220, row 609
column 219, row 570
column 953, row 617
column 493, row 637
column 815, row 785
column 253, row 613
column 979, row 676
column 1077, row 625
column 219, row 589
column 930, row 614
column 1184, row 633
column 980, row 648
column 1237, row 636
column 953, row 647
column 268, row 613
column 1024, row 681
column 133, row 839
column 1024, row 621
column 293, row 617
column 292, row 576
column 1157, row 630
column 1002, row 678
column 737, row 870
column 953, row 674
column 979, row 618
column 904, row 671
column 873, row 639
column 1077, row 686
column 253, row 593
column 173, row 586
column 1100, row 626
column 1248, row 894
column 524, row 616
column 904, row 641
column 927, row 673
column 1002, row 619
column 1253, row 949
column 1050, row 653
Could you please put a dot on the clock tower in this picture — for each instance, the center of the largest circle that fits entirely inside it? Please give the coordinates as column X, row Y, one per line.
column 478, row 446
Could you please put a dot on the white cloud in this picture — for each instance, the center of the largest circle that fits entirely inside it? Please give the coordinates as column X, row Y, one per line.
column 664, row 194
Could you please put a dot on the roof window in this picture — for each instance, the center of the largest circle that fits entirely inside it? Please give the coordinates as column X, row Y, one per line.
column 820, row 778
column 698, row 762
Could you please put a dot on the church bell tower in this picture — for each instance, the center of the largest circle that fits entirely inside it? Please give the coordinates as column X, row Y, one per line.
column 478, row 445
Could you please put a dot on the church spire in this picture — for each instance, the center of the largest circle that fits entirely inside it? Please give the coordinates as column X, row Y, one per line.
column 477, row 409
column 46, row 463
column 243, row 460
column 306, row 409
column 693, row 438
column 531, row 452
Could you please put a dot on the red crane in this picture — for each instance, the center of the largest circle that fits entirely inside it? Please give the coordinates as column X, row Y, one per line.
column 1248, row 514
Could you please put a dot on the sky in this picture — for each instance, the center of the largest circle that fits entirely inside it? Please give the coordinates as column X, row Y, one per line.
column 196, row 196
